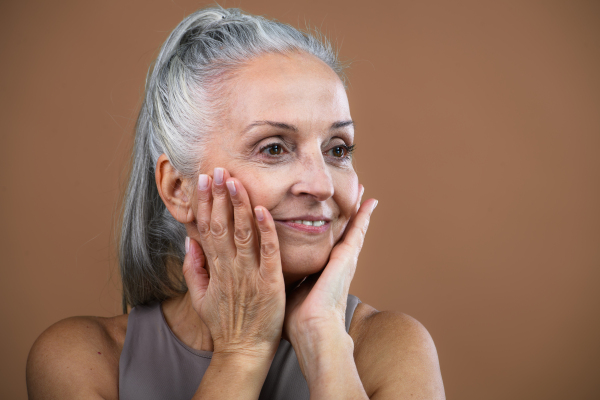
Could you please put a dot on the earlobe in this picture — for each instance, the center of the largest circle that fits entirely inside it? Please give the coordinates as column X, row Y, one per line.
column 172, row 191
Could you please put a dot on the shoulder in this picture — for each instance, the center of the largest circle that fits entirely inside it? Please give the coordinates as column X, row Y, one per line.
column 77, row 357
column 395, row 355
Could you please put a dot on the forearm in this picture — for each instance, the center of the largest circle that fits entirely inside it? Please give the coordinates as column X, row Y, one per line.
column 327, row 362
column 233, row 377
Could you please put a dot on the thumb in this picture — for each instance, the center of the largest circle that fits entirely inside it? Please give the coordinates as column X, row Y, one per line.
column 196, row 276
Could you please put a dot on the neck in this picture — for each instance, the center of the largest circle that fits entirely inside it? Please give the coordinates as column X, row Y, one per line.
column 186, row 324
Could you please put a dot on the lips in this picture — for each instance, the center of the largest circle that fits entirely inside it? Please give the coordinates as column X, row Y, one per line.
column 307, row 218
column 307, row 223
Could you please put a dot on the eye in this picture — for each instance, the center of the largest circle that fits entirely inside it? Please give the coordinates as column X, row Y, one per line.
column 341, row 151
column 274, row 149
column 338, row 151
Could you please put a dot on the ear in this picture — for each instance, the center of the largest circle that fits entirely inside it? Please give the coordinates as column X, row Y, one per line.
column 172, row 190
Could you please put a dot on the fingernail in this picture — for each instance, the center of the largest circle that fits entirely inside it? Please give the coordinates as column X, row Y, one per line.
column 203, row 182
column 259, row 213
column 231, row 188
column 375, row 205
column 187, row 244
column 218, row 175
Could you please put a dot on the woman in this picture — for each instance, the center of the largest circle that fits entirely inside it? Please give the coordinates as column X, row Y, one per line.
column 241, row 230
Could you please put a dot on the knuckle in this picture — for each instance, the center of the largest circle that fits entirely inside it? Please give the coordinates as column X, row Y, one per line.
column 243, row 236
column 203, row 228
column 203, row 196
column 364, row 228
column 199, row 259
column 269, row 250
column 220, row 192
column 265, row 229
column 218, row 229
column 237, row 202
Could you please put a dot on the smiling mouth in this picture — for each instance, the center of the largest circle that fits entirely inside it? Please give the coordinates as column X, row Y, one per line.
column 309, row 223
column 316, row 226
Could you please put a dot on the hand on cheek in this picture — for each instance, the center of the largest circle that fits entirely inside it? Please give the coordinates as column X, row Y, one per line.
column 243, row 301
column 319, row 303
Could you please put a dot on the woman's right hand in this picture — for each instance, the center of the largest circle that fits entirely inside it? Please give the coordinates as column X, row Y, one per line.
column 241, row 295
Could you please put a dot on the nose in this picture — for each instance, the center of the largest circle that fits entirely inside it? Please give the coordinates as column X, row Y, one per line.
column 313, row 178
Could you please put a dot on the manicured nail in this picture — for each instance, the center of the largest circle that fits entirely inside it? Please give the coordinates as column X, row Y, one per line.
column 375, row 205
column 218, row 175
column 231, row 188
column 203, row 182
column 187, row 244
column 259, row 213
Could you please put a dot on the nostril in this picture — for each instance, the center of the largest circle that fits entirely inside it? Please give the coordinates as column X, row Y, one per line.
column 313, row 180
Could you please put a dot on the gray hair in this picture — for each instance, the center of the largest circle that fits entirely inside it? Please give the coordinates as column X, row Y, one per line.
column 178, row 111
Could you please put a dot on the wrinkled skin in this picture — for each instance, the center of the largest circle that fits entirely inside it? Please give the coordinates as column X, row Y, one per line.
column 284, row 143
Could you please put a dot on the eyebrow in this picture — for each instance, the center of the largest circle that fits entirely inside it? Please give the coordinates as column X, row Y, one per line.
column 282, row 125
column 341, row 124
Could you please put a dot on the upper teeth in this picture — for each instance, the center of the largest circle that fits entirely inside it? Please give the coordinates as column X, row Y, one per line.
column 312, row 223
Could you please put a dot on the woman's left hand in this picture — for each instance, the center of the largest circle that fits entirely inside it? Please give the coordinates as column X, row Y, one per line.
column 318, row 305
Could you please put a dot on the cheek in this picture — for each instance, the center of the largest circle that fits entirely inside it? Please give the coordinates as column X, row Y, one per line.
column 263, row 189
column 346, row 198
column 347, row 194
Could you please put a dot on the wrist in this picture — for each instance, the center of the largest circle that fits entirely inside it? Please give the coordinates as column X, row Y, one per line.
column 234, row 375
column 319, row 335
column 327, row 363
column 250, row 359
column 320, row 353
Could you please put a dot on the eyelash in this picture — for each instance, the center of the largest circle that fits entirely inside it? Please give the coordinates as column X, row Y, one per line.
column 348, row 150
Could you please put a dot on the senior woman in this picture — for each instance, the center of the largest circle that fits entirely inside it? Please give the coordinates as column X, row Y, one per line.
column 241, row 230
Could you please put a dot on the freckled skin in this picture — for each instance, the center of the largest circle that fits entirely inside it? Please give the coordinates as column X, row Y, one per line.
column 306, row 178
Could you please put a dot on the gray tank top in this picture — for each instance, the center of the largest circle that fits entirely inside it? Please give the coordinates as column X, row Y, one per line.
column 155, row 364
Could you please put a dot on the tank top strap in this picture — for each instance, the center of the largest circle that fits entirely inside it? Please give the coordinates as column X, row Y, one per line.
column 351, row 305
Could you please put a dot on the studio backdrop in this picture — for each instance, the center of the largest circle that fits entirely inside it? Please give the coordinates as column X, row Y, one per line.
column 477, row 128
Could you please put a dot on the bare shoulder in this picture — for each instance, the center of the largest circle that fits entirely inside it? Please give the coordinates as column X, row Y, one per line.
column 395, row 355
column 77, row 357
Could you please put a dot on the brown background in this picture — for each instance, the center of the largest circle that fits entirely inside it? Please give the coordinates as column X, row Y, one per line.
column 478, row 129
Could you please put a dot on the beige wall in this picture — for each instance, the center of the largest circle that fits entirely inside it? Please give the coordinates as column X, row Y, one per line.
column 478, row 129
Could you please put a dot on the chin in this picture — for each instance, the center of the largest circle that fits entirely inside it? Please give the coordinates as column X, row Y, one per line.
column 298, row 264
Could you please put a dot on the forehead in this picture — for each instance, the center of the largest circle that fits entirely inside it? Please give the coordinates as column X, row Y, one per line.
column 296, row 88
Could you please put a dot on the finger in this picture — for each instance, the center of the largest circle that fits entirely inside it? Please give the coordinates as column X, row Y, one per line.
column 196, row 276
column 361, row 191
column 357, row 230
column 270, row 258
column 221, row 219
column 203, row 215
column 339, row 272
column 244, row 234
